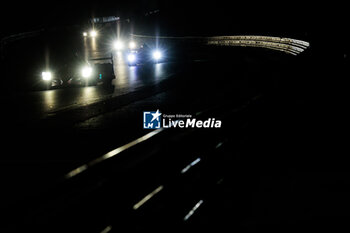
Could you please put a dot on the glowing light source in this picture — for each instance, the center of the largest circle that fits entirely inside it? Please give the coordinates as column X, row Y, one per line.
column 46, row 75
column 93, row 33
column 85, row 34
column 131, row 58
column 86, row 72
column 156, row 55
column 118, row 45
column 132, row 45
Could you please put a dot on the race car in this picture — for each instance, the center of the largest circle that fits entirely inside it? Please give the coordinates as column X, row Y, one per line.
column 144, row 55
column 93, row 74
column 49, row 80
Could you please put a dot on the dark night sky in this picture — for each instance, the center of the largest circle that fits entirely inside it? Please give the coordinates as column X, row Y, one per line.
column 183, row 17
column 22, row 16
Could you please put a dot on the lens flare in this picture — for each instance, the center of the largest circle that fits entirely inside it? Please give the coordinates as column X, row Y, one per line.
column 131, row 58
column 118, row 45
column 157, row 55
column 86, row 72
column 93, row 33
column 132, row 45
column 46, row 75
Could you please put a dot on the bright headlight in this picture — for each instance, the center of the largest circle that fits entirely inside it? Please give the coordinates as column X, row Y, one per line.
column 156, row 55
column 118, row 45
column 93, row 33
column 46, row 75
column 132, row 45
column 86, row 72
column 131, row 58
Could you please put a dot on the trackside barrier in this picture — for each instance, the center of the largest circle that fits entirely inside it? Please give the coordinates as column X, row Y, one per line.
column 287, row 45
column 163, row 178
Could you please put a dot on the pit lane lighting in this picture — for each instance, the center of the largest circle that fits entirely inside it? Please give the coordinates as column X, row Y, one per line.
column 46, row 75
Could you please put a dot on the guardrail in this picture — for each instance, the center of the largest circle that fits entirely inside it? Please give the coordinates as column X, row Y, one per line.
column 15, row 37
column 287, row 45
column 165, row 165
column 134, row 186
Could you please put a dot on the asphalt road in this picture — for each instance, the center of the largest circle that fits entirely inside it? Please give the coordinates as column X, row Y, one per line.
column 59, row 47
column 43, row 150
column 39, row 104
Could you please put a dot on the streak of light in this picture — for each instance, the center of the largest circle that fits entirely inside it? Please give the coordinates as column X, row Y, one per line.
column 193, row 210
column 89, row 94
column 147, row 197
column 49, row 99
column 159, row 70
column 219, row 145
column 93, row 44
column 107, row 229
column 133, row 74
column 86, row 51
column 112, row 153
column 190, row 165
